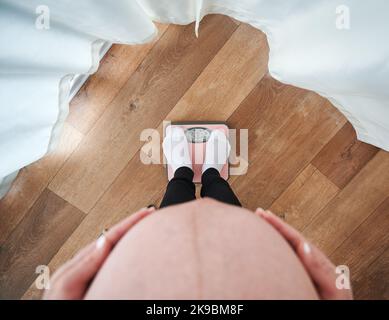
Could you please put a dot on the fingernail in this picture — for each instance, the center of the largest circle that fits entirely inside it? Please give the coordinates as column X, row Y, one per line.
column 263, row 213
column 100, row 241
column 103, row 232
column 307, row 248
column 148, row 209
column 260, row 210
column 151, row 209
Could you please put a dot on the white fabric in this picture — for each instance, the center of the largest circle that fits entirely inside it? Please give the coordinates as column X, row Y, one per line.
column 350, row 67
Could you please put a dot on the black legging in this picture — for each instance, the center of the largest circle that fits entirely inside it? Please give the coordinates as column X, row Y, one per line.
column 182, row 189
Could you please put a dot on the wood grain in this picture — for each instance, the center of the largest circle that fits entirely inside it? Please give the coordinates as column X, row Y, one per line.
column 278, row 161
column 304, row 198
column 34, row 242
column 344, row 156
column 366, row 244
column 32, row 180
column 117, row 66
column 374, row 283
column 268, row 106
column 227, row 80
column 170, row 68
column 342, row 216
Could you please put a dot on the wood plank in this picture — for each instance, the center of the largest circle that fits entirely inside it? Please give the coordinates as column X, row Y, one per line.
column 366, row 244
column 34, row 242
column 344, row 156
column 304, row 198
column 227, row 80
column 374, row 283
column 343, row 215
column 32, row 180
column 116, row 67
column 168, row 71
column 264, row 110
column 149, row 182
column 276, row 161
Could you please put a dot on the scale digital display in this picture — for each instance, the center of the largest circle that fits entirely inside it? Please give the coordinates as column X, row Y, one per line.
column 197, row 134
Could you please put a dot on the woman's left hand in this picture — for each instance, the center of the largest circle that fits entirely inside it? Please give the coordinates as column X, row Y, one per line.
column 320, row 269
column 72, row 280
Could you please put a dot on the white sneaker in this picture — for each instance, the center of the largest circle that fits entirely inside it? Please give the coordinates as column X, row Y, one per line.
column 176, row 148
column 217, row 151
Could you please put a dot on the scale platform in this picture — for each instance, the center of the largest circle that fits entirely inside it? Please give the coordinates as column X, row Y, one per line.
column 198, row 134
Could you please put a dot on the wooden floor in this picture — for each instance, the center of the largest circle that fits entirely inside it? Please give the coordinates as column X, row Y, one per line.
column 304, row 160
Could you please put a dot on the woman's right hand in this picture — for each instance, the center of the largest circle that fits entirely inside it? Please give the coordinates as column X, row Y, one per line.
column 319, row 267
column 71, row 281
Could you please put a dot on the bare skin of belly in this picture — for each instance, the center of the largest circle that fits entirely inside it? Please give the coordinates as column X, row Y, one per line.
column 202, row 250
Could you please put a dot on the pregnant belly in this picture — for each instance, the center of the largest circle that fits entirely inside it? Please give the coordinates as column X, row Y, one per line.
column 202, row 250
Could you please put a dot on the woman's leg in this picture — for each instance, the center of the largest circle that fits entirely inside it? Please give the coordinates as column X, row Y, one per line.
column 214, row 186
column 180, row 189
column 176, row 150
column 216, row 156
